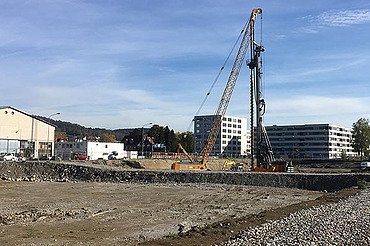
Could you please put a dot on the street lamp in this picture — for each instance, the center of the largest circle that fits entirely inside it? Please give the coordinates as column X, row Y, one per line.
column 142, row 138
column 47, row 142
column 57, row 113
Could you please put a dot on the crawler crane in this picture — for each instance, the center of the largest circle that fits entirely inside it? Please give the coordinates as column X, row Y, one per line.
column 247, row 40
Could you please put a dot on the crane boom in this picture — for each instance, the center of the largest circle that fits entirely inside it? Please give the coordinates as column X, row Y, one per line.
column 225, row 99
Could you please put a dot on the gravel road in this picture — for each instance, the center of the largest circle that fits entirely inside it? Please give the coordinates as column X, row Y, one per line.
column 344, row 223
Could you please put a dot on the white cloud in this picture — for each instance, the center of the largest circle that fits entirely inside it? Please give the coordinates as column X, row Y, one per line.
column 311, row 72
column 335, row 18
column 344, row 17
column 317, row 109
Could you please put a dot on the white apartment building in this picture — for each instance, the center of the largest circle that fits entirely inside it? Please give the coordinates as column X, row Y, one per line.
column 24, row 134
column 94, row 150
column 232, row 139
column 310, row 141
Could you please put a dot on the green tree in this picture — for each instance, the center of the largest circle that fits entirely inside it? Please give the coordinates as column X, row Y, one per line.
column 108, row 138
column 187, row 140
column 361, row 136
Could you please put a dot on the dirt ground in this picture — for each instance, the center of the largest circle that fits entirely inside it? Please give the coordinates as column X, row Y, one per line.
column 53, row 213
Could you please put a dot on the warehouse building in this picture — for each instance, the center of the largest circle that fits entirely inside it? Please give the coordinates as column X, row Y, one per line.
column 310, row 141
column 24, row 134
column 232, row 140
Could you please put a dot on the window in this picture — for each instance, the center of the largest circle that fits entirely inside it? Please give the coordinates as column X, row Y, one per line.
column 106, row 146
column 229, row 125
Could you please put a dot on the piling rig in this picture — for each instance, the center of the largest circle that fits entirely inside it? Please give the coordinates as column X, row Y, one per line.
column 225, row 99
column 265, row 160
column 262, row 157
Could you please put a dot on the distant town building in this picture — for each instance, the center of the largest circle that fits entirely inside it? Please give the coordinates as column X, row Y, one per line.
column 310, row 141
column 232, row 139
column 93, row 150
column 25, row 134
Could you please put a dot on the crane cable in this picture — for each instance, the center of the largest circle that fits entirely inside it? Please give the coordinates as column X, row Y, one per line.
column 218, row 75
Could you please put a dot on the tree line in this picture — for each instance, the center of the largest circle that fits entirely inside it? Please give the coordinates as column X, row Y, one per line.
column 168, row 138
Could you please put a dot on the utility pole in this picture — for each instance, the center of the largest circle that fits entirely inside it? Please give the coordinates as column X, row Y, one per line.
column 142, row 138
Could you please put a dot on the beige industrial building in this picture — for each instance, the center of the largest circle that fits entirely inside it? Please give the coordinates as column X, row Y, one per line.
column 24, row 134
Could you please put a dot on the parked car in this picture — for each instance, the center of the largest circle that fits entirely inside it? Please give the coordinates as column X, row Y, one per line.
column 10, row 157
column 365, row 165
column 79, row 156
column 114, row 155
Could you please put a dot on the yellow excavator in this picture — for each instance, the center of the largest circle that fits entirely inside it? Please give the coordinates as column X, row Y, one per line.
column 247, row 40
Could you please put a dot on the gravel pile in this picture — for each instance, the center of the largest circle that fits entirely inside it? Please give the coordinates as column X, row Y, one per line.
column 344, row 223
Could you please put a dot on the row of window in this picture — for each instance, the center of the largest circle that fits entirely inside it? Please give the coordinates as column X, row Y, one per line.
column 296, row 134
column 230, row 142
column 232, row 120
column 232, row 131
column 297, row 128
column 6, row 112
column 230, row 148
column 298, row 139
column 231, row 125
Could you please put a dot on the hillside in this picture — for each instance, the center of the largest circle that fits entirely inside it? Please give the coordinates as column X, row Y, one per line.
column 73, row 130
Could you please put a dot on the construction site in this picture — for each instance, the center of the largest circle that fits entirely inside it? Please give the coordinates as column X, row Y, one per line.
column 258, row 200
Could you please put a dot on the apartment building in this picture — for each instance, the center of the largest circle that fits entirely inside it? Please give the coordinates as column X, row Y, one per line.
column 232, row 139
column 310, row 141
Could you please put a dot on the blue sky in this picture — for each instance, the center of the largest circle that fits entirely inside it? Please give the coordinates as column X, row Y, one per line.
column 117, row 64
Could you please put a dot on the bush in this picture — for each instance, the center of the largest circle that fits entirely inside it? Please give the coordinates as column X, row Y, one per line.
column 362, row 184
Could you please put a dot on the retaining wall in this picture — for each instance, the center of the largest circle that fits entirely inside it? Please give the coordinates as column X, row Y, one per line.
column 58, row 171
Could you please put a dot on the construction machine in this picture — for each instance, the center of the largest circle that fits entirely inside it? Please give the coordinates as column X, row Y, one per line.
column 247, row 40
column 233, row 165
column 186, row 165
column 261, row 147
